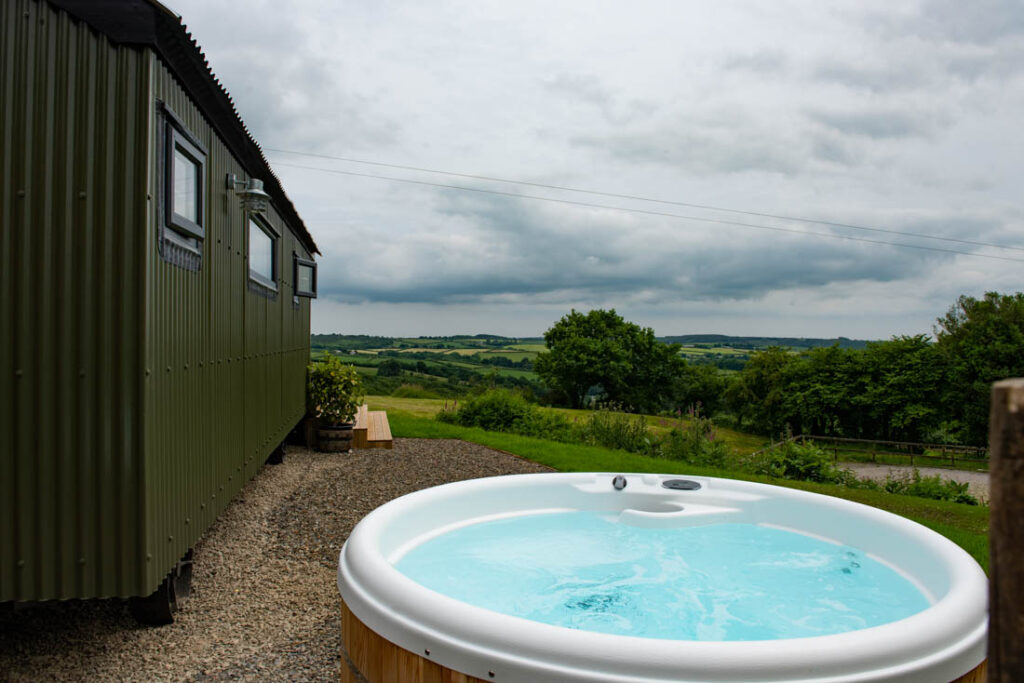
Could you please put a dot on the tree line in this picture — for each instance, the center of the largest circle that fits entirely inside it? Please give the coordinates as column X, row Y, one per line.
column 909, row 388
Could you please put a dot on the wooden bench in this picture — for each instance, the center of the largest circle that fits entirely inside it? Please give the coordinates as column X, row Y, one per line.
column 371, row 429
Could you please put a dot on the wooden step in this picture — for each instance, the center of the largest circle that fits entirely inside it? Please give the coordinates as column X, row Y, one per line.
column 371, row 429
column 361, row 426
column 379, row 433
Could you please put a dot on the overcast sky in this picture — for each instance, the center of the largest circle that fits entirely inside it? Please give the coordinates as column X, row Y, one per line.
column 899, row 116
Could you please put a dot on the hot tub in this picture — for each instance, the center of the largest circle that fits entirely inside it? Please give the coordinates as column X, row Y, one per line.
column 396, row 628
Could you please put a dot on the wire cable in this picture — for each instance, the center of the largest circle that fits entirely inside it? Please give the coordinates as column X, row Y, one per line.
column 701, row 219
column 650, row 199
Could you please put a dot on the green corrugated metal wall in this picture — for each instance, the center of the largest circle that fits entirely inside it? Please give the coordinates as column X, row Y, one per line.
column 227, row 364
column 138, row 396
column 71, row 310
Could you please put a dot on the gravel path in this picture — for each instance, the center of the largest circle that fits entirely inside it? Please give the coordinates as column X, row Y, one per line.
column 264, row 603
column 977, row 482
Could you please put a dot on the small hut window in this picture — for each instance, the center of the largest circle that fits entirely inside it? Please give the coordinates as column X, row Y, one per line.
column 186, row 181
column 262, row 253
column 305, row 277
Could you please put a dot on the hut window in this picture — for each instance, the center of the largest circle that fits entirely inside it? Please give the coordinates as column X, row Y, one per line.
column 305, row 277
column 186, row 181
column 262, row 253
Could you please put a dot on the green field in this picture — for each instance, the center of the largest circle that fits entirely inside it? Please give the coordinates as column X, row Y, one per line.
column 440, row 366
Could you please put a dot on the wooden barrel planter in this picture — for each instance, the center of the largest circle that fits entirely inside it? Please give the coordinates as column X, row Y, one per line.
column 335, row 438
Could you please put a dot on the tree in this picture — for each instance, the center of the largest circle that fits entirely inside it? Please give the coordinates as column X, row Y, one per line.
column 700, row 384
column 758, row 392
column 819, row 390
column 982, row 340
column 902, row 387
column 599, row 349
column 389, row 368
column 653, row 369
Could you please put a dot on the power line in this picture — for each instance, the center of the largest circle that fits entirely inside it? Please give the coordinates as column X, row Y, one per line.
column 649, row 199
column 701, row 219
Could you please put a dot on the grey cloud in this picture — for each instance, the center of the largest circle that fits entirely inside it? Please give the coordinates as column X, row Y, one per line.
column 830, row 149
column 583, row 87
column 894, row 123
column 896, row 76
column 762, row 62
column 978, row 21
column 273, row 98
column 555, row 254
column 589, row 89
column 703, row 149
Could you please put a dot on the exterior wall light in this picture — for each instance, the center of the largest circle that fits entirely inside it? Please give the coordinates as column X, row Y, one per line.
column 254, row 199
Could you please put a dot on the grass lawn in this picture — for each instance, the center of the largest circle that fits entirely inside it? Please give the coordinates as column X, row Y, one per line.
column 965, row 525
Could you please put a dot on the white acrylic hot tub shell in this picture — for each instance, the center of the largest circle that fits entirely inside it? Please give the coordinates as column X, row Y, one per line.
column 941, row 643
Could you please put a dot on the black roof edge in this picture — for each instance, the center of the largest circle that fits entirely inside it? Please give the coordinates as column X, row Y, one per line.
column 149, row 23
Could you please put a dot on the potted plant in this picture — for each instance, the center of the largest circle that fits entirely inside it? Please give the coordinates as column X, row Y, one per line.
column 334, row 393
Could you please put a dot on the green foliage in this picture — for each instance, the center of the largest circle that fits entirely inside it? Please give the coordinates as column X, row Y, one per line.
column 599, row 350
column 902, row 380
column 700, row 386
column 982, row 341
column 584, row 351
column 757, row 394
column 498, row 410
column 334, row 390
column 934, row 487
column 389, row 368
column 612, row 429
column 695, row 442
column 802, row 462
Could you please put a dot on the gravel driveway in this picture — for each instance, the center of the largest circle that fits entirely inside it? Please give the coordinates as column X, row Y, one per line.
column 264, row 603
column 977, row 482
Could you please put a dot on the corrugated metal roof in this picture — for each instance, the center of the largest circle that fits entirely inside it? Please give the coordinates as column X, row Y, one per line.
column 150, row 23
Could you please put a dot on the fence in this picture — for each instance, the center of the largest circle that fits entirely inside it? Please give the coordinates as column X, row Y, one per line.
column 875, row 450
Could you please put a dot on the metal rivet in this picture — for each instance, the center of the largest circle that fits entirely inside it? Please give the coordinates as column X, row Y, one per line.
column 148, row 372
column 81, row 560
column 21, row 563
column 81, row 373
column 170, row 538
column 21, row 193
column 81, row 195
column 168, row 368
column 188, row 520
column 18, row 373
column 148, row 557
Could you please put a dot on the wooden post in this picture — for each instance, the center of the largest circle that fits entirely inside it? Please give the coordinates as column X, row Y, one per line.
column 1006, row 533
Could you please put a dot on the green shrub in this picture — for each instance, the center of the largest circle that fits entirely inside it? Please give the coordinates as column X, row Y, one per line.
column 803, row 462
column 934, row 487
column 611, row 429
column 333, row 391
column 497, row 410
column 545, row 424
column 695, row 443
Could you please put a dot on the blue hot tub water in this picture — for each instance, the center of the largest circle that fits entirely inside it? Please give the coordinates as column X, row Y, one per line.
column 584, row 570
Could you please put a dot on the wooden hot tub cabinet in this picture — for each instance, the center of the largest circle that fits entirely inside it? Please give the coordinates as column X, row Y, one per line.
column 368, row 658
